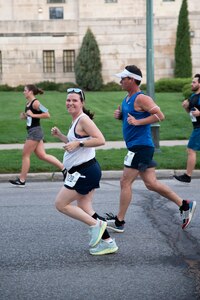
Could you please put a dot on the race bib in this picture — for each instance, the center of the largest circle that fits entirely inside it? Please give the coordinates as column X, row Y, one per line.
column 71, row 179
column 128, row 158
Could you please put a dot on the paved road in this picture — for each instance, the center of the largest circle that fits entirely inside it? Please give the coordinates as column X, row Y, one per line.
column 44, row 255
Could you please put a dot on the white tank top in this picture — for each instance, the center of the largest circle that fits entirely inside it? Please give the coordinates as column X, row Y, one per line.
column 81, row 154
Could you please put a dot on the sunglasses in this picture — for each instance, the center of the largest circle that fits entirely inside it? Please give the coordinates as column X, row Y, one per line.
column 76, row 91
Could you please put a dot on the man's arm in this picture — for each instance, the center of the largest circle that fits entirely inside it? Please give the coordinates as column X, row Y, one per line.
column 185, row 105
column 146, row 103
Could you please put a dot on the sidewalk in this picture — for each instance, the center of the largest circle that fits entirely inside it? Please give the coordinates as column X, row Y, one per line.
column 108, row 145
column 161, row 174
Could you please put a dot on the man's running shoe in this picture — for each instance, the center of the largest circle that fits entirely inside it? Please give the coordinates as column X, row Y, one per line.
column 187, row 211
column 96, row 232
column 183, row 178
column 114, row 224
column 17, row 182
column 104, row 248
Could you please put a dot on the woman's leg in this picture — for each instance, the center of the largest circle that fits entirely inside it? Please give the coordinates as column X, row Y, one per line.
column 29, row 148
column 82, row 213
column 41, row 154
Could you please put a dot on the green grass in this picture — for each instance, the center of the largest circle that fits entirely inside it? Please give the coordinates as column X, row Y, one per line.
column 112, row 159
column 176, row 125
column 13, row 130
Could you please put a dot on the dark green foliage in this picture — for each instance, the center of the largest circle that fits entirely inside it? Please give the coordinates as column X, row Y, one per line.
column 143, row 87
column 88, row 64
column 19, row 88
column 183, row 62
column 171, row 84
column 162, row 85
column 6, row 88
column 47, row 85
column 111, row 86
column 187, row 90
column 62, row 87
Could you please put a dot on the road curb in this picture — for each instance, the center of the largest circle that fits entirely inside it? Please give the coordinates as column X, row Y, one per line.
column 106, row 175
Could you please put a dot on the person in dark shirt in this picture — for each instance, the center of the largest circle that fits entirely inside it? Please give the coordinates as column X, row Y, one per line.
column 192, row 106
column 34, row 111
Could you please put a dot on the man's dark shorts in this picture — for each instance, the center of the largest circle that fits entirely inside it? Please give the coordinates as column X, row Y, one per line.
column 143, row 158
column 194, row 141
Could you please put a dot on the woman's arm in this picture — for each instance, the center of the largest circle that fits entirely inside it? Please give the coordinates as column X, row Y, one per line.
column 40, row 108
column 56, row 132
column 87, row 127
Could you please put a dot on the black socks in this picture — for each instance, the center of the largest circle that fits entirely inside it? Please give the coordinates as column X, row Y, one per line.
column 119, row 223
column 105, row 234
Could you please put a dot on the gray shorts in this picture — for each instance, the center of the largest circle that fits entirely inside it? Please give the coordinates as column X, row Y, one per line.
column 35, row 134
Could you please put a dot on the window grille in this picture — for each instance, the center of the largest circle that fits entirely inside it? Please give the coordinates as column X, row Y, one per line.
column 48, row 61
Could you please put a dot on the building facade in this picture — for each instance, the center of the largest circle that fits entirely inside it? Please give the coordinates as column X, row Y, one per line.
column 40, row 39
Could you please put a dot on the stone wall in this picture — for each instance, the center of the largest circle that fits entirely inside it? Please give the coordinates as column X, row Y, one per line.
column 119, row 28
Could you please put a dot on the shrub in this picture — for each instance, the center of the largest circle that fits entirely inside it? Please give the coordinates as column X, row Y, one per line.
column 183, row 61
column 5, row 88
column 62, row 87
column 171, row 84
column 186, row 90
column 19, row 88
column 143, row 87
column 47, row 85
column 111, row 86
column 88, row 64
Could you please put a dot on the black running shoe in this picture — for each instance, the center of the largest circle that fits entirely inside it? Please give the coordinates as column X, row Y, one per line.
column 113, row 223
column 183, row 178
column 17, row 182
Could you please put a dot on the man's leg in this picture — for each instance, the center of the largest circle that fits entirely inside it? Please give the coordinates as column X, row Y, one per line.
column 186, row 207
column 191, row 161
column 151, row 182
column 128, row 177
column 116, row 223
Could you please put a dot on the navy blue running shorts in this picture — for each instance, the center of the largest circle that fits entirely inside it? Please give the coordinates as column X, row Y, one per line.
column 91, row 177
column 143, row 158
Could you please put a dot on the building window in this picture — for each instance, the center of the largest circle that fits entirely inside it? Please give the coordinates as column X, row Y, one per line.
column 56, row 13
column 0, row 62
column 48, row 61
column 68, row 60
column 168, row 0
column 111, row 1
column 56, row 1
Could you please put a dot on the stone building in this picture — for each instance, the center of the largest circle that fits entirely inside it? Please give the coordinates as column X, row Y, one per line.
column 40, row 39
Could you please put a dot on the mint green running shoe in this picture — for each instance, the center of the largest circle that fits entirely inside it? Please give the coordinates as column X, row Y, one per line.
column 96, row 232
column 104, row 248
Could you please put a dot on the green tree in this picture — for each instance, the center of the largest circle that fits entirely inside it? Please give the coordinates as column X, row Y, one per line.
column 88, row 64
column 183, row 61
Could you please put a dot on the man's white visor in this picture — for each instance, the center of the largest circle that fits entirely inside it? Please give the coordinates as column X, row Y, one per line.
column 126, row 73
